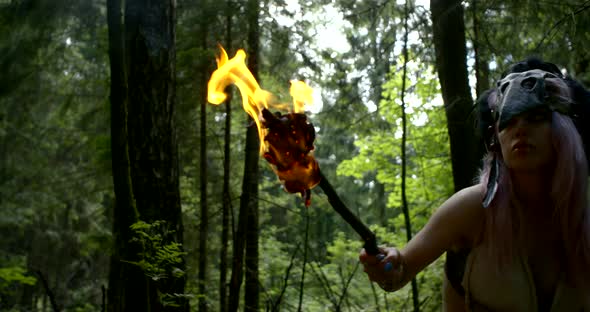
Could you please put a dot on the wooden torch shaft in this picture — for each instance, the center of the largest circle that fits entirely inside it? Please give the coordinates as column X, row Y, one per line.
column 366, row 234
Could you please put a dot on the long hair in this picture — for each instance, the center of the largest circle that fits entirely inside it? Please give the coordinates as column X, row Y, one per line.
column 504, row 225
column 569, row 195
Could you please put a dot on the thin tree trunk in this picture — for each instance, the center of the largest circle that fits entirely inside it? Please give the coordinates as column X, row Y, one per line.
column 381, row 201
column 276, row 305
column 226, row 194
column 481, row 67
column 50, row 294
column 381, row 66
column 305, row 248
column 144, row 150
column 204, row 212
column 376, row 297
column 247, row 223
column 345, row 285
column 246, row 236
column 28, row 291
column 125, row 211
column 251, row 299
column 204, row 215
column 405, row 208
column 449, row 42
column 239, row 236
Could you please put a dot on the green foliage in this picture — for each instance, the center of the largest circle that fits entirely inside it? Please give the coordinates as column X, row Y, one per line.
column 11, row 277
column 160, row 258
column 55, row 185
column 172, row 300
column 15, row 275
column 428, row 180
column 512, row 30
column 427, row 144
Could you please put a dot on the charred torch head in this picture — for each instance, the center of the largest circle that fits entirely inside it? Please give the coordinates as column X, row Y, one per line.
column 286, row 141
column 289, row 141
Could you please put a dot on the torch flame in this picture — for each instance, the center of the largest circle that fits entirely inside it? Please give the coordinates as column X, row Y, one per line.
column 285, row 140
column 302, row 94
column 254, row 99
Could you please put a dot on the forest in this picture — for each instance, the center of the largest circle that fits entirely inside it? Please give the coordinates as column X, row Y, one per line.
column 123, row 189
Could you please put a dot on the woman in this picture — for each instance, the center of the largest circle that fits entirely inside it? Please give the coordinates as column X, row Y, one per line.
column 524, row 229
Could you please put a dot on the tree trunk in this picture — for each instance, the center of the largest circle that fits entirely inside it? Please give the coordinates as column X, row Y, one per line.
column 405, row 208
column 381, row 202
column 251, row 299
column 449, row 42
column 381, row 66
column 144, row 151
column 226, row 194
column 305, row 249
column 204, row 215
column 247, row 227
column 120, row 292
column 482, row 71
column 226, row 208
column 239, row 237
column 246, row 236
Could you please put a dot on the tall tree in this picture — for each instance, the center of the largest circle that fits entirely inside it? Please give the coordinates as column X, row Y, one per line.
column 144, row 157
column 449, row 41
column 251, row 300
column 480, row 66
column 448, row 29
column 53, row 73
column 226, row 193
column 204, row 220
column 239, row 236
column 404, row 199
column 246, row 236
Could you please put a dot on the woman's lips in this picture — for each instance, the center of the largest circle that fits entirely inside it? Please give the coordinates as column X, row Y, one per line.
column 521, row 146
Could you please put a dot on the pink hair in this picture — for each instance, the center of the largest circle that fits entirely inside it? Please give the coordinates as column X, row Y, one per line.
column 503, row 226
column 569, row 193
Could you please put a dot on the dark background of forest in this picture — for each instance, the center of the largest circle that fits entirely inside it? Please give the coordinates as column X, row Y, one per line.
column 122, row 189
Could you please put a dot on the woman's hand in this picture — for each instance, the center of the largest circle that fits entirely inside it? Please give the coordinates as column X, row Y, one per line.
column 386, row 268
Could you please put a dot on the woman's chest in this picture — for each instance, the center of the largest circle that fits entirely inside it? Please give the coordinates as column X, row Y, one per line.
column 542, row 259
column 529, row 283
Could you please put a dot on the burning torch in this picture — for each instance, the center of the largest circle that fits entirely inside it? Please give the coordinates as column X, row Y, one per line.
column 286, row 140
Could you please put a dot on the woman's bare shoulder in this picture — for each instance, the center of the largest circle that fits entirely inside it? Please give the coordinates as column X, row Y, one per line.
column 462, row 214
column 456, row 223
column 468, row 199
column 464, row 202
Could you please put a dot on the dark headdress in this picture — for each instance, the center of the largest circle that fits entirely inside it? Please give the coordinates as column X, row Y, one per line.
column 523, row 88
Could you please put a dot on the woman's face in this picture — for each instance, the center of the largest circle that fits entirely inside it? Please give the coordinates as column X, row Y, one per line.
column 526, row 141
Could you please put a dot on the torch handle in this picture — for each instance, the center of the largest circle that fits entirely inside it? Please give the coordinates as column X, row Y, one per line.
column 366, row 234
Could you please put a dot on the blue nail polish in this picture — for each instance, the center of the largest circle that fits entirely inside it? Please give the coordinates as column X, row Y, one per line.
column 388, row 266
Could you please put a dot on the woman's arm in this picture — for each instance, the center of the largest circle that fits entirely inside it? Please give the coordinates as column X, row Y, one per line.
column 456, row 222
